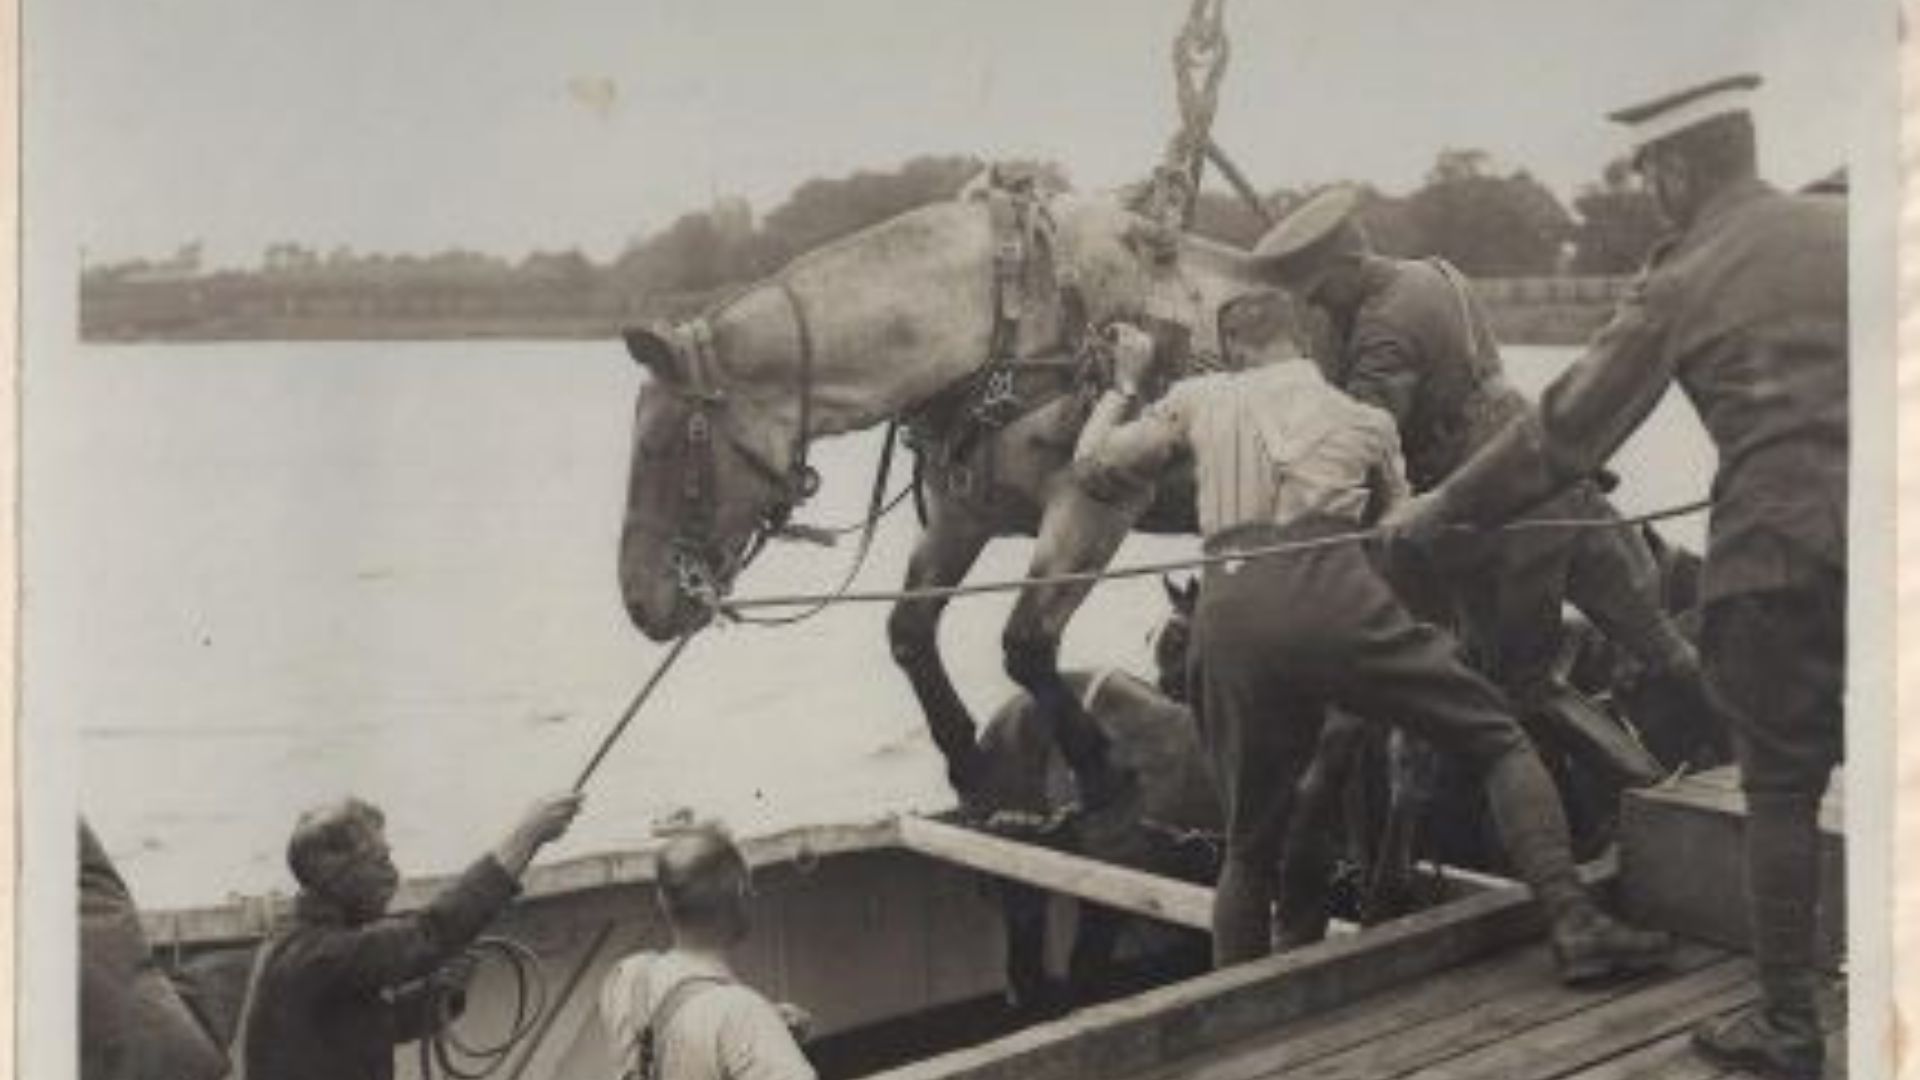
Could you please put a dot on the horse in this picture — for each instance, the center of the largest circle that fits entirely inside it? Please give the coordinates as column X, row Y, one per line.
column 902, row 320
column 1024, row 784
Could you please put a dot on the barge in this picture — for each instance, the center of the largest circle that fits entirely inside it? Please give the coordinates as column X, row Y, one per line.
column 889, row 932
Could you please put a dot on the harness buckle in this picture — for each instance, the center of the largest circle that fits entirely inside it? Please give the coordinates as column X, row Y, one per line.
column 699, row 427
column 804, row 482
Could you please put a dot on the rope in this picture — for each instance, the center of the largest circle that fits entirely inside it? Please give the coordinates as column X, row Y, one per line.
column 633, row 709
column 461, row 1059
column 874, row 514
column 1081, row 577
column 834, row 532
column 574, row 979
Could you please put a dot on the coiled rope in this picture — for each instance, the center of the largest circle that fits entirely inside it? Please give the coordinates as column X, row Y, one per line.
column 731, row 608
column 463, row 1060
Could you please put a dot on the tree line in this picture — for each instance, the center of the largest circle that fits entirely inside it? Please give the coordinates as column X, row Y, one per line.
column 1489, row 221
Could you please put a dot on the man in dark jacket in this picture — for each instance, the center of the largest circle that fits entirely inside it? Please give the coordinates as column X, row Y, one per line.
column 336, row 993
column 1746, row 307
column 133, row 1024
column 1409, row 337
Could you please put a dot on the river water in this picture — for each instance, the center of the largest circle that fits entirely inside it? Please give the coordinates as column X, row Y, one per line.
column 259, row 576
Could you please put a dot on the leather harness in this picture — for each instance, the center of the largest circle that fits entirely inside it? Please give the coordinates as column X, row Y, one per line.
column 793, row 484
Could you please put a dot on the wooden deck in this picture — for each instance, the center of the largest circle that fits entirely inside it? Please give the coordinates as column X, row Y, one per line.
column 1504, row 1018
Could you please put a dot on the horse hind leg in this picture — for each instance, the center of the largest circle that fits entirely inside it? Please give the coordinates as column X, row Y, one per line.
column 1076, row 533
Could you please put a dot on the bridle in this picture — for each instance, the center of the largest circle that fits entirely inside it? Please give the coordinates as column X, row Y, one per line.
column 706, row 423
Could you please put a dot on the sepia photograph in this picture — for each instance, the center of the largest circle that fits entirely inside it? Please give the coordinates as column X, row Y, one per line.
column 1113, row 539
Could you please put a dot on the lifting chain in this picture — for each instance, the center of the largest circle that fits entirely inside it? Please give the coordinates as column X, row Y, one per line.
column 1200, row 53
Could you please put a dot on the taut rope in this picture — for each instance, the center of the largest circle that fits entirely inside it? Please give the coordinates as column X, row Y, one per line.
column 632, row 710
column 730, row 608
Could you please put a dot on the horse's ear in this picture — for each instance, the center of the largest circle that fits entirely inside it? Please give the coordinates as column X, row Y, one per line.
column 651, row 348
column 1181, row 594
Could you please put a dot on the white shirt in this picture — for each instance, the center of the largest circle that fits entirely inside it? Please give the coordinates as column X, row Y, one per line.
column 1269, row 444
column 721, row 1032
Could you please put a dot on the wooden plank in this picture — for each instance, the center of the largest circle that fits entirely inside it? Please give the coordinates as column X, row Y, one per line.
column 1505, row 1016
column 1669, row 1058
column 1361, row 1022
column 246, row 918
column 1174, row 1023
column 1673, row 1058
column 1608, row 1030
column 1682, row 856
column 1115, row 886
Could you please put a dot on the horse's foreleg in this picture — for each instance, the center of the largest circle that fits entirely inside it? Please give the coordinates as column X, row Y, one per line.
column 1308, row 855
column 1076, row 533
column 1412, row 768
column 943, row 555
column 1090, row 968
column 1025, row 911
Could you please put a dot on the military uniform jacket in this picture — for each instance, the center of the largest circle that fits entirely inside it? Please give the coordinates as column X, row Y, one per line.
column 335, row 999
column 1747, row 309
column 1418, row 346
column 133, row 1025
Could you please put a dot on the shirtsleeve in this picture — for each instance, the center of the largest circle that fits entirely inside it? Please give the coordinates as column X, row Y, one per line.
column 756, row 1045
column 1130, row 456
column 1389, row 477
column 400, row 948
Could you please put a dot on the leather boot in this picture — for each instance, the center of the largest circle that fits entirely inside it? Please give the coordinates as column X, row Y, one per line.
column 1780, row 1036
column 1591, row 947
column 1765, row 1041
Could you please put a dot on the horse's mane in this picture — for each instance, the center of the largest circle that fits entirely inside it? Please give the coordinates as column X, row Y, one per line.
column 1126, row 216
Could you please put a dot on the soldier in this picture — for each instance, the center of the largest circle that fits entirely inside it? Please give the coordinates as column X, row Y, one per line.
column 1409, row 337
column 133, row 1023
column 331, row 997
column 1280, row 456
column 1746, row 306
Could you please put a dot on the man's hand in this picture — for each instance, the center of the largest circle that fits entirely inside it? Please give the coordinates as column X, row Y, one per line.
column 1417, row 522
column 1134, row 361
column 547, row 820
column 456, row 974
column 798, row 1020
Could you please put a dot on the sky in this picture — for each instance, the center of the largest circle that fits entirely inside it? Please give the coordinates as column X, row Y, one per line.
column 508, row 126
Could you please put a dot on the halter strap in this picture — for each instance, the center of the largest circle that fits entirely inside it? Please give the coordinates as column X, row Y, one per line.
column 803, row 333
column 794, row 483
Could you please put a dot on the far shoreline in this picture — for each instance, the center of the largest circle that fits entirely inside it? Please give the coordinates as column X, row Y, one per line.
column 1562, row 310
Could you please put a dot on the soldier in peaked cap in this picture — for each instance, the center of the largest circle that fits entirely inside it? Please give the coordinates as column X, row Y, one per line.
column 1746, row 307
column 1408, row 336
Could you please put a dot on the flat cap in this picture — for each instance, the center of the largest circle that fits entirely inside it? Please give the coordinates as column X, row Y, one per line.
column 1664, row 117
column 1322, row 225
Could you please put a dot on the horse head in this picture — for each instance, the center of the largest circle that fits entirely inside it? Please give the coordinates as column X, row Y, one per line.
column 1172, row 640
column 706, row 484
